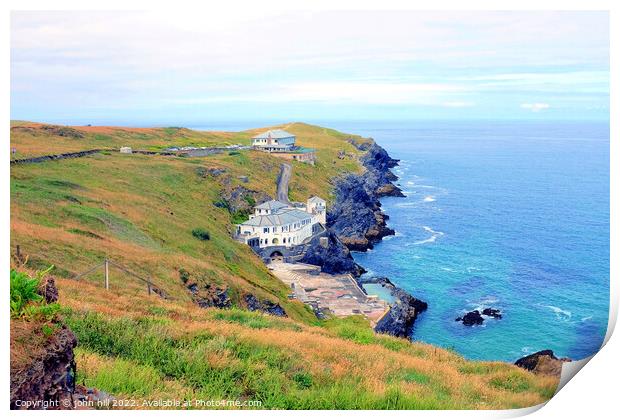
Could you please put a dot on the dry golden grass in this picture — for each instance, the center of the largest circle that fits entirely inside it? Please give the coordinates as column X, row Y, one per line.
column 326, row 356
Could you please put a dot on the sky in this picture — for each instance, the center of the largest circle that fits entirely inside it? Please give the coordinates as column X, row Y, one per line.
column 183, row 68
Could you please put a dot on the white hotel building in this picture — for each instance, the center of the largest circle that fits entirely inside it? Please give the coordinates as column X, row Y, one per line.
column 278, row 224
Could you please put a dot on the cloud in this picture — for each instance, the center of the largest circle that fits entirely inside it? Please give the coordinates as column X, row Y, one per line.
column 66, row 62
column 539, row 106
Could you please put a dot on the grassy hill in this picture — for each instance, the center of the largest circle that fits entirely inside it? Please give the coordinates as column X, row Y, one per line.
column 140, row 210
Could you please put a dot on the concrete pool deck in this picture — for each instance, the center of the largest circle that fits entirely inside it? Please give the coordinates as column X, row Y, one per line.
column 336, row 294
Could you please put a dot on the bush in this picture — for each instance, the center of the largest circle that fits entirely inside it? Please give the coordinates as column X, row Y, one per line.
column 23, row 291
column 201, row 234
column 303, row 380
column 239, row 217
column 26, row 302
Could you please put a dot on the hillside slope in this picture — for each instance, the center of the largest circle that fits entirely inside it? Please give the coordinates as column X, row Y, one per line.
column 161, row 350
column 143, row 211
column 140, row 210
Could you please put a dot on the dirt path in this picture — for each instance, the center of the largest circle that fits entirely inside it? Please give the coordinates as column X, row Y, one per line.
column 282, row 183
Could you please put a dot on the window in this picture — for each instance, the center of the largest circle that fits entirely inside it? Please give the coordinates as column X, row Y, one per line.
column 266, row 230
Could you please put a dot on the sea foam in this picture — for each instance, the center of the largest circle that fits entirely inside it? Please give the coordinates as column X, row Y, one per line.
column 433, row 238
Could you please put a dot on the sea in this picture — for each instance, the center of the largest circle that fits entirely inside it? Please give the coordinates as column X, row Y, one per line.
column 508, row 215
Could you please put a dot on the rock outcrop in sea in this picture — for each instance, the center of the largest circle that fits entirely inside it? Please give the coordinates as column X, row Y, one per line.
column 477, row 318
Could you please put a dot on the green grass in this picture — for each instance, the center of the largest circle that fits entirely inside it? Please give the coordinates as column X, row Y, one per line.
column 355, row 328
column 139, row 363
column 255, row 320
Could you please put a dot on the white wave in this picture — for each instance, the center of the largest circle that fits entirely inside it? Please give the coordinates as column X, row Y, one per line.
column 433, row 238
column 448, row 269
column 406, row 205
column 429, row 199
column 587, row 318
column 561, row 314
column 485, row 302
column 470, row 269
column 410, row 183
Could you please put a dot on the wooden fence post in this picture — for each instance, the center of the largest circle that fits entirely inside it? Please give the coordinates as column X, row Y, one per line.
column 107, row 274
column 148, row 285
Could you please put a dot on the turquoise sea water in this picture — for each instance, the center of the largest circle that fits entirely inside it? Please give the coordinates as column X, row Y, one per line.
column 513, row 216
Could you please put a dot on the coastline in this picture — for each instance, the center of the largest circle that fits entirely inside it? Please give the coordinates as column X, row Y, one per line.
column 358, row 222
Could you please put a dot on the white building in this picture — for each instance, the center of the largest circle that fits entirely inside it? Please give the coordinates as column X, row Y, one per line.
column 274, row 141
column 277, row 224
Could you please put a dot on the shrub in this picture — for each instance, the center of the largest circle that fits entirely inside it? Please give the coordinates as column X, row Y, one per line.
column 239, row 217
column 201, row 234
column 250, row 200
column 184, row 275
column 26, row 301
column 23, row 291
column 46, row 312
column 303, row 380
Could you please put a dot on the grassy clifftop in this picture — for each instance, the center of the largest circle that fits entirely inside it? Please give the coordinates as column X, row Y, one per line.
column 141, row 210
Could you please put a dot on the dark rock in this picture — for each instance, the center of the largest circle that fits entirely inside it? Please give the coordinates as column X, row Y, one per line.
column 331, row 255
column 543, row 362
column 356, row 216
column 207, row 295
column 494, row 313
column 50, row 376
column 212, row 297
column 203, row 172
column 400, row 319
column 47, row 289
column 266, row 306
column 378, row 177
column 476, row 317
column 241, row 200
column 471, row 318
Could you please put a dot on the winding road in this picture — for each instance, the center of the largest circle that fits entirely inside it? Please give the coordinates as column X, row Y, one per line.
column 282, row 183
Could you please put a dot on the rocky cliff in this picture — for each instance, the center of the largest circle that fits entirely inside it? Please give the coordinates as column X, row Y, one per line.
column 356, row 216
column 331, row 255
column 399, row 321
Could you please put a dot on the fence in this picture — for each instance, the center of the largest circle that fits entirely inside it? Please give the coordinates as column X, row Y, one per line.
column 150, row 286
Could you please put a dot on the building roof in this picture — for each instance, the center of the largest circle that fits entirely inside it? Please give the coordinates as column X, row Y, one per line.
column 284, row 217
column 274, row 134
column 316, row 199
column 298, row 150
column 272, row 205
